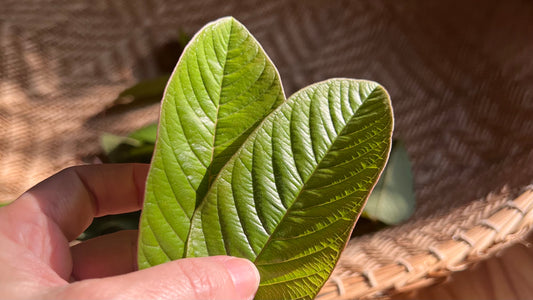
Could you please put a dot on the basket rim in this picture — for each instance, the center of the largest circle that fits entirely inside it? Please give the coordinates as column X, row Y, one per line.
column 507, row 224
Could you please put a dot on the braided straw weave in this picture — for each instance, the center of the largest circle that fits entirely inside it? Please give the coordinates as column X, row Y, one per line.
column 459, row 72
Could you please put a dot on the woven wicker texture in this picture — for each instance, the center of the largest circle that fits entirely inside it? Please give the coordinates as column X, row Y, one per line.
column 460, row 75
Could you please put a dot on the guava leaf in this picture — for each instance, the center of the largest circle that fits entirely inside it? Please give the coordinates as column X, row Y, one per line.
column 393, row 199
column 289, row 198
column 222, row 87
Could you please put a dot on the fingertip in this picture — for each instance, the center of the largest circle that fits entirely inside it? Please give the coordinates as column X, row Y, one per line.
column 214, row 277
column 244, row 275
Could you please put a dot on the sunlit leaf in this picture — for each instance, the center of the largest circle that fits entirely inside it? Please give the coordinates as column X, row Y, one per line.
column 289, row 198
column 222, row 87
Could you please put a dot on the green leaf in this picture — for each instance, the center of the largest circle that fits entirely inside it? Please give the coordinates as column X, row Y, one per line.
column 138, row 146
column 125, row 153
column 144, row 90
column 141, row 94
column 289, row 198
column 110, row 142
column 393, row 200
column 222, row 87
column 5, row 203
column 146, row 134
column 109, row 224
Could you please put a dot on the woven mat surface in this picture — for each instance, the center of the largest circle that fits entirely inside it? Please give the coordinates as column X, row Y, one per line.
column 460, row 75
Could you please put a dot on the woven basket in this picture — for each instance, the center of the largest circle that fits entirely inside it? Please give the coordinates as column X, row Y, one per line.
column 459, row 73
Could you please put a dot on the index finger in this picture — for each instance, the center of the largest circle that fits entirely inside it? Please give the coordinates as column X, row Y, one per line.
column 74, row 196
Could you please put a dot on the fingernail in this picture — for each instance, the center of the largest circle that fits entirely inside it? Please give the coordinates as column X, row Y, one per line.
column 244, row 275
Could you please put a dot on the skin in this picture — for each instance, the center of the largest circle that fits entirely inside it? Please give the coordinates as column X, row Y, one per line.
column 37, row 262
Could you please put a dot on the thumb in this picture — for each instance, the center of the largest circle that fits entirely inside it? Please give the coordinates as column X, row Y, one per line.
column 215, row 277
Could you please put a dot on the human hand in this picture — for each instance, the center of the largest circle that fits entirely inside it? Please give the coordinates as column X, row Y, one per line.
column 37, row 262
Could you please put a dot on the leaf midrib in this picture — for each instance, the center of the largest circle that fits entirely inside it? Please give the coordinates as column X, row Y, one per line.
column 213, row 148
column 253, row 132
column 210, row 186
column 210, row 167
column 269, row 240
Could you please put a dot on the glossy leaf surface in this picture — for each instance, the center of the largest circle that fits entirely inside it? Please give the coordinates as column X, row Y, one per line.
column 289, row 198
column 223, row 85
